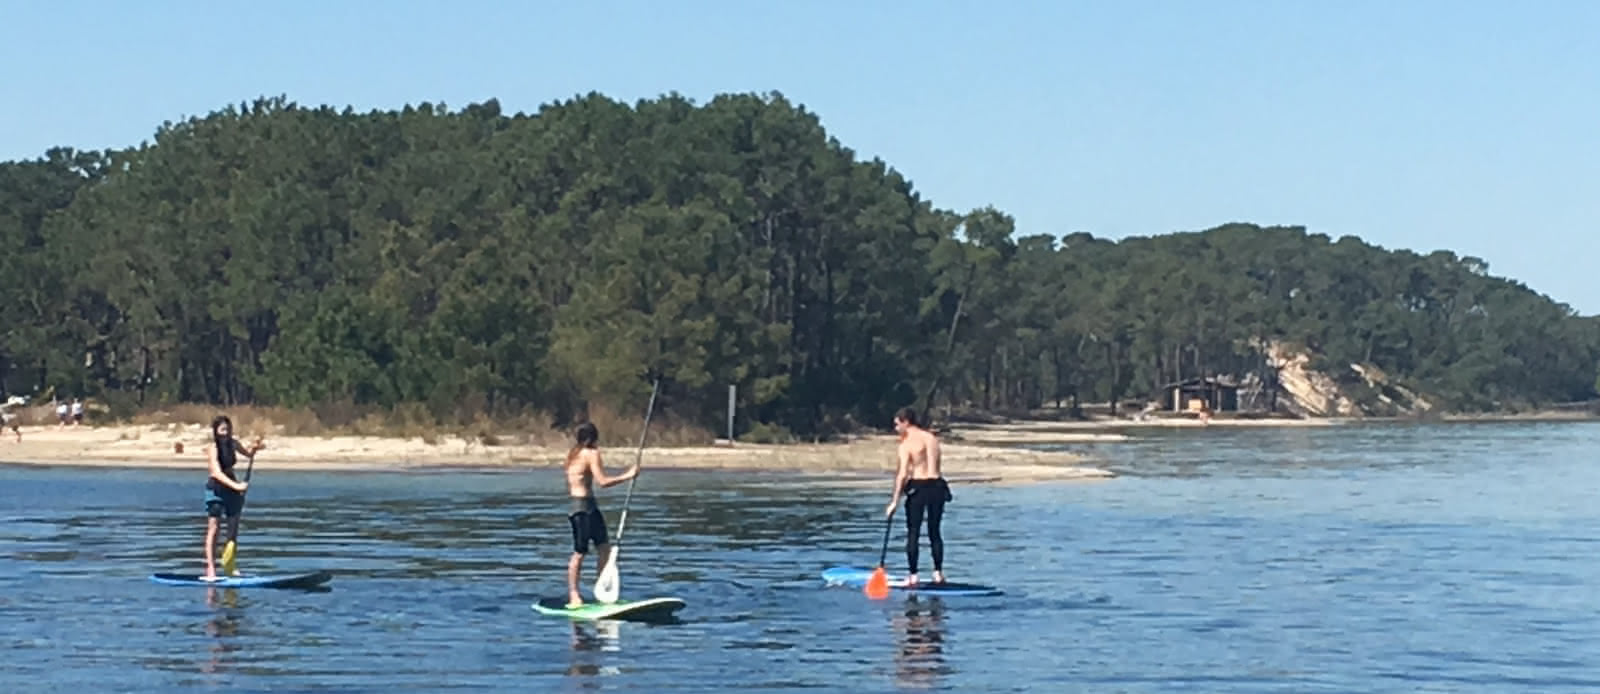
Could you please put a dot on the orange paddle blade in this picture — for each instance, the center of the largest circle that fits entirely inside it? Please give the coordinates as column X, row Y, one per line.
column 878, row 584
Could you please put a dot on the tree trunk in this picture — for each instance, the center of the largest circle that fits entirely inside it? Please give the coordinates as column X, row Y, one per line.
column 1116, row 376
column 949, row 341
column 988, row 381
column 144, row 372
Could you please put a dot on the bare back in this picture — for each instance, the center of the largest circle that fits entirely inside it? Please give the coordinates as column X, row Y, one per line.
column 919, row 453
column 580, row 477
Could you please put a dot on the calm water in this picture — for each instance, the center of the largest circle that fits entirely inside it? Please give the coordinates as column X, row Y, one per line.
column 1451, row 558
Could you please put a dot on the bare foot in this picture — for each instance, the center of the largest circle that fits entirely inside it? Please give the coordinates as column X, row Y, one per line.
column 911, row 579
column 938, row 577
column 574, row 601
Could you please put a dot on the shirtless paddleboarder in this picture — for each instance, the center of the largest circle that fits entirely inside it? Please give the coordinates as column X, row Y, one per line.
column 584, row 470
column 920, row 478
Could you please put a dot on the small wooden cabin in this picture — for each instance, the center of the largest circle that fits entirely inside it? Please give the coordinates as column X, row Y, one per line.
column 1188, row 395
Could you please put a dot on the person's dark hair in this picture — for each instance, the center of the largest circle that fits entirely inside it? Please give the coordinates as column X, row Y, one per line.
column 588, row 435
column 909, row 415
column 218, row 421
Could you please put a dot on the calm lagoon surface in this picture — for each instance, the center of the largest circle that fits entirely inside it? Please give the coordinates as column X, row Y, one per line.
column 1448, row 557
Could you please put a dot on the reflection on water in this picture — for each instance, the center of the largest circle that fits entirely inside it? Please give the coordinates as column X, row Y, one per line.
column 589, row 639
column 223, row 627
column 919, row 661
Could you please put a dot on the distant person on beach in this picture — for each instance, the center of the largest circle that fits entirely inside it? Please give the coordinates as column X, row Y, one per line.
column 584, row 469
column 919, row 476
column 224, row 491
column 61, row 413
column 77, row 412
column 8, row 419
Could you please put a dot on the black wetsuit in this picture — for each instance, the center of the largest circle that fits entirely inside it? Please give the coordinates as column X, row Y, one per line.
column 925, row 497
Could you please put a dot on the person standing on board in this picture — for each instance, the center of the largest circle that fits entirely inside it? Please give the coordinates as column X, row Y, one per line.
column 920, row 478
column 224, row 491
column 584, row 469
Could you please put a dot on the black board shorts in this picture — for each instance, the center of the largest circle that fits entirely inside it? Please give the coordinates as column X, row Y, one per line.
column 588, row 526
column 223, row 503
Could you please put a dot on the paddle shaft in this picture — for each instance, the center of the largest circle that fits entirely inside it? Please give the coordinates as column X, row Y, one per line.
column 233, row 528
column 248, row 468
column 888, row 523
column 637, row 459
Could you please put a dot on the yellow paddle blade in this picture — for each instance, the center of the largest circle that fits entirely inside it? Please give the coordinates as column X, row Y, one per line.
column 878, row 584
column 228, row 552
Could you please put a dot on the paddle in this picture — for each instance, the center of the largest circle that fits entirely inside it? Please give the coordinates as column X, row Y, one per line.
column 229, row 549
column 608, row 586
column 878, row 583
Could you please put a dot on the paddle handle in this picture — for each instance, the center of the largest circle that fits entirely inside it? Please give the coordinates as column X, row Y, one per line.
column 637, row 460
column 249, row 467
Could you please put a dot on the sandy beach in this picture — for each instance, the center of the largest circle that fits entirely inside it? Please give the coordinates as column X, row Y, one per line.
column 1106, row 430
column 158, row 446
column 974, row 452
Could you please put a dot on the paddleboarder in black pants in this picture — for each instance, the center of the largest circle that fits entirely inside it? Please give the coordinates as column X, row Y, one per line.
column 919, row 477
column 584, row 470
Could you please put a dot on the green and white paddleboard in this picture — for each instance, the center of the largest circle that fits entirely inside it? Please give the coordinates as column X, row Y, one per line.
column 650, row 610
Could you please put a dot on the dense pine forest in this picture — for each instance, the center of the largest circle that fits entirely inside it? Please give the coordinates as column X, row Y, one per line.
column 473, row 262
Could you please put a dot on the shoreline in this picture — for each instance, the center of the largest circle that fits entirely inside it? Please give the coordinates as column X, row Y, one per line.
column 156, row 447
column 1036, row 431
column 973, row 451
column 1115, row 430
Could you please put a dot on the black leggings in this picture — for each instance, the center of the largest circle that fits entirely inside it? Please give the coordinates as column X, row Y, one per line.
column 925, row 496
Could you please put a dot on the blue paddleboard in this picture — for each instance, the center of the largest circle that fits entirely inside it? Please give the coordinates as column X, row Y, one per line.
column 301, row 580
column 857, row 578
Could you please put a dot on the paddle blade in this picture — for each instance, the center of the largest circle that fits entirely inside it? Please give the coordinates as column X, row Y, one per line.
column 608, row 586
column 228, row 552
column 878, row 584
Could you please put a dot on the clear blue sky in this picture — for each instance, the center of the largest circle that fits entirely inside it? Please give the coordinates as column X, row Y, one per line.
column 1469, row 126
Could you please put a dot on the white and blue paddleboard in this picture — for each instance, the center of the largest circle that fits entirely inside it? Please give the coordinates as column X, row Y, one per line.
column 857, row 578
column 301, row 580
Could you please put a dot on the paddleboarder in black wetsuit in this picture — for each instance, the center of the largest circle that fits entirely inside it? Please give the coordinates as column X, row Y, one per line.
column 584, row 470
column 919, row 477
column 224, row 491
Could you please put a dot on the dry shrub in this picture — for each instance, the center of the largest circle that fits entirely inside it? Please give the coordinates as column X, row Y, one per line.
column 525, row 426
column 178, row 415
column 371, row 424
column 248, row 420
column 622, row 431
column 341, row 415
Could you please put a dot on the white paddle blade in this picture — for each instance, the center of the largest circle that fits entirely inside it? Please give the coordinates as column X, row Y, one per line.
column 608, row 586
